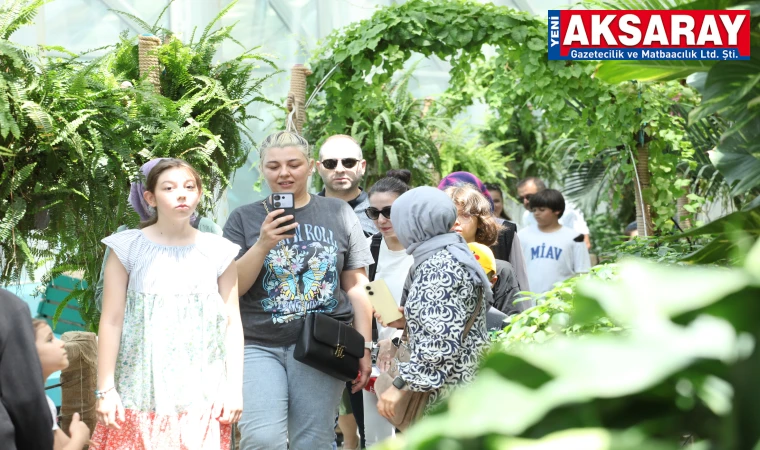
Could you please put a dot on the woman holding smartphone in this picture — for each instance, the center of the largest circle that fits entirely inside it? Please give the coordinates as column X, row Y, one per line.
column 285, row 272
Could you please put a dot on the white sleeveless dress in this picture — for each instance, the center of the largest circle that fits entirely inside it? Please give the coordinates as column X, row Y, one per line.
column 171, row 363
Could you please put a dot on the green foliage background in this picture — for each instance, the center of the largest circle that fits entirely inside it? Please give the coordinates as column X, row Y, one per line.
column 589, row 116
column 73, row 135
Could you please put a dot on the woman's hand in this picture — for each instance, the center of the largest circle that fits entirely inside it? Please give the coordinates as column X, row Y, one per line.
column 398, row 323
column 386, row 404
column 365, row 370
column 271, row 233
column 110, row 409
column 229, row 409
column 385, row 355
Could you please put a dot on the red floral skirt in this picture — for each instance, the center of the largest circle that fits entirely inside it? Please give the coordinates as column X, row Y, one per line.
column 151, row 431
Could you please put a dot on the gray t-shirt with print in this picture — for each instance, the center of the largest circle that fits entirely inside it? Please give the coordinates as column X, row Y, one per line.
column 299, row 272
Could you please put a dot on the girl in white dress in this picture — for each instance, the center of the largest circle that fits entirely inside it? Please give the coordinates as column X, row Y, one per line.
column 170, row 345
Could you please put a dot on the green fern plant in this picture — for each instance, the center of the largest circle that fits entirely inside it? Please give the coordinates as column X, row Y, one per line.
column 461, row 149
column 72, row 138
column 397, row 134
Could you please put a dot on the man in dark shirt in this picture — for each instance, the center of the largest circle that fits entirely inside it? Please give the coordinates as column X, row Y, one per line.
column 341, row 166
column 25, row 422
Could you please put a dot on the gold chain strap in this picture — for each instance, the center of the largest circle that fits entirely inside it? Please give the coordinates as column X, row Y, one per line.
column 287, row 259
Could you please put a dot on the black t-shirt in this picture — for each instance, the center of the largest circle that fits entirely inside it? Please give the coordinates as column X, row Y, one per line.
column 300, row 275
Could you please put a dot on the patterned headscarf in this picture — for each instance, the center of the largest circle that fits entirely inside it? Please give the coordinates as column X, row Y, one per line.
column 460, row 178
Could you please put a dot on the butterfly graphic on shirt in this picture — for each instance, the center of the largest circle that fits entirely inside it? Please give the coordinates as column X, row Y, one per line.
column 300, row 274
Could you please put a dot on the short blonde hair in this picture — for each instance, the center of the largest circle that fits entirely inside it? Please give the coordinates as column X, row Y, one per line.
column 282, row 139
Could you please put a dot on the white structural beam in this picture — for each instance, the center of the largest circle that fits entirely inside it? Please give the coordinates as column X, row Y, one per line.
column 122, row 5
column 292, row 21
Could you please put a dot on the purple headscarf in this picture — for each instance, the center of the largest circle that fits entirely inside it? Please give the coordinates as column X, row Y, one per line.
column 136, row 199
column 460, row 178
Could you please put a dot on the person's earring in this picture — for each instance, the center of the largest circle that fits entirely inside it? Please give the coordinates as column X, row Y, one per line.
column 151, row 210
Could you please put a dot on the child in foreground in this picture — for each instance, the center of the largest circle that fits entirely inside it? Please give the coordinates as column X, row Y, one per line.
column 53, row 358
column 170, row 345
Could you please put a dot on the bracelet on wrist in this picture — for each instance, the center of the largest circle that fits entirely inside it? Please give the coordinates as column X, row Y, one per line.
column 102, row 394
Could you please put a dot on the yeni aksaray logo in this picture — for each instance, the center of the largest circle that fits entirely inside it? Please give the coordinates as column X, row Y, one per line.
column 630, row 35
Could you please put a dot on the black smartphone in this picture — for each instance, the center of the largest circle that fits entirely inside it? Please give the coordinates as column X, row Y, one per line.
column 286, row 201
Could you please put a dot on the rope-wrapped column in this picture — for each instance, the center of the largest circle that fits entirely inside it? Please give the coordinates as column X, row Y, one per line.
column 683, row 215
column 79, row 380
column 297, row 95
column 643, row 210
column 148, row 61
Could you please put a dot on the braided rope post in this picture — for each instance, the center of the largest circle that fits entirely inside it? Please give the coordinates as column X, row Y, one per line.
column 148, row 61
column 297, row 95
column 683, row 215
column 643, row 210
column 79, row 380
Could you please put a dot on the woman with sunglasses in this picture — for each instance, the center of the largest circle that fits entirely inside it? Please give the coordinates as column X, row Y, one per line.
column 392, row 264
column 285, row 272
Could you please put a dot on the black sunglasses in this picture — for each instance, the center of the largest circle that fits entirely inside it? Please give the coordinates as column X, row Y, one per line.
column 348, row 163
column 374, row 213
column 522, row 198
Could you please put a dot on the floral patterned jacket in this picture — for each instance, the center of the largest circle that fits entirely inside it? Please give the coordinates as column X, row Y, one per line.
column 441, row 299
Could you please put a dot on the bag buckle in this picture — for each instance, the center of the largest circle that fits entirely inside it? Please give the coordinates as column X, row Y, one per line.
column 339, row 351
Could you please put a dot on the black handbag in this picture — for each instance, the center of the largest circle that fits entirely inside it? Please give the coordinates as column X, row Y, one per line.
column 330, row 346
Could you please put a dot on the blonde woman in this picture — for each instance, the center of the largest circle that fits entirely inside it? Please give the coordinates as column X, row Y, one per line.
column 315, row 265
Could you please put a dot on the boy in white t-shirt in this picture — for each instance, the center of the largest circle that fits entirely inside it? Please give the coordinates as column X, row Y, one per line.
column 553, row 252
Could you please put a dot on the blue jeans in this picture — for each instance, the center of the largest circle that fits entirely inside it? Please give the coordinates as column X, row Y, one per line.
column 286, row 401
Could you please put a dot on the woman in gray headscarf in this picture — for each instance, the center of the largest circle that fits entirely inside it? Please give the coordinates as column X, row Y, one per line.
column 448, row 287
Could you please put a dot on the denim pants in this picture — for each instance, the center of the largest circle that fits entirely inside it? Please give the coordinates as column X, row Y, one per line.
column 285, row 401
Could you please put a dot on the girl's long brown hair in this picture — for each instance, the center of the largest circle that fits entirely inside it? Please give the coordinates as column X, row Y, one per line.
column 155, row 173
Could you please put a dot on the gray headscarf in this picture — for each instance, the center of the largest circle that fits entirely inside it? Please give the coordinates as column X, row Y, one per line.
column 422, row 219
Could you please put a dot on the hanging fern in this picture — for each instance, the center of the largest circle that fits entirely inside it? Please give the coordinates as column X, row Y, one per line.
column 72, row 138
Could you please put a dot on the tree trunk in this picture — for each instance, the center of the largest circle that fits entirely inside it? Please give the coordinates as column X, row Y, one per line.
column 641, row 183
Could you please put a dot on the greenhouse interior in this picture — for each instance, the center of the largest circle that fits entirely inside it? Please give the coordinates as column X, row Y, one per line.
column 344, row 224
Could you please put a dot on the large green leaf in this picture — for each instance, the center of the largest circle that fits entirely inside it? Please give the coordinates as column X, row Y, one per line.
column 597, row 367
column 729, row 87
column 667, row 292
column 730, row 92
column 619, row 71
column 573, row 372
column 576, row 438
column 733, row 233
column 735, row 158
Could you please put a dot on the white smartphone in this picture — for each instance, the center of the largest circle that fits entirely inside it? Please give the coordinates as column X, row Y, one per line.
column 382, row 300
